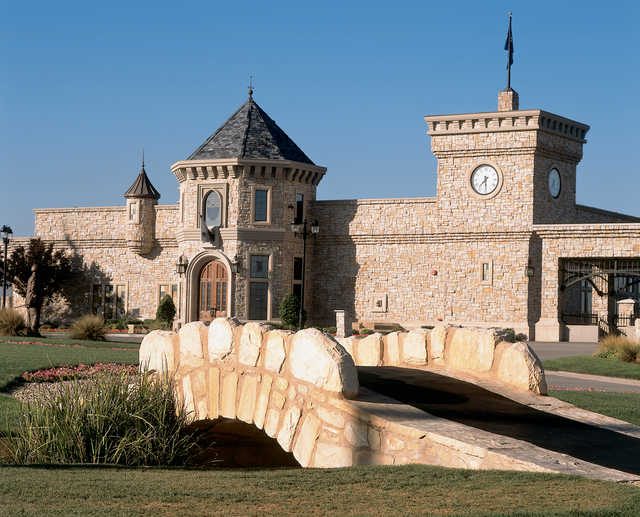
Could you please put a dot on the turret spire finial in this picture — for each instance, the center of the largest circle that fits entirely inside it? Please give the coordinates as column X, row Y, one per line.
column 251, row 87
column 143, row 158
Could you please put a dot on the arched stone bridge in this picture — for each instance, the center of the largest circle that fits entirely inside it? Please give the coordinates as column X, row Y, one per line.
column 302, row 390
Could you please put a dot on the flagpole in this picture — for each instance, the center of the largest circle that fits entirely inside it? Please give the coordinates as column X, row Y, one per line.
column 510, row 50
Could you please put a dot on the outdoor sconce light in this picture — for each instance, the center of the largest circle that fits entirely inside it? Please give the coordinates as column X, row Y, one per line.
column 315, row 227
column 235, row 266
column 181, row 265
column 529, row 271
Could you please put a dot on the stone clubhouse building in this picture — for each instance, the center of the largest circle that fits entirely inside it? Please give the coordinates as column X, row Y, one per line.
column 503, row 243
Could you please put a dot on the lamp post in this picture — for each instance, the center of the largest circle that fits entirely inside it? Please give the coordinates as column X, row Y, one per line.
column 6, row 231
column 301, row 229
column 181, row 269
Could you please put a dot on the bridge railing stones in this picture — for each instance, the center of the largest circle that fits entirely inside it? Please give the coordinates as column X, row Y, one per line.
column 296, row 388
column 479, row 352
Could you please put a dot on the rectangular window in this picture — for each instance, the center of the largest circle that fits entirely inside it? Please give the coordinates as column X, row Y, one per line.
column 258, row 300
column 132, row 211
column 96, row 301
column 486, row 271
column 121, row 299
column 260, row 206
column 163, row 291
column 108, row 302
column 297, row 268
column 259, row 266
column 297, row 277
column 297, row 290
column 299, row 208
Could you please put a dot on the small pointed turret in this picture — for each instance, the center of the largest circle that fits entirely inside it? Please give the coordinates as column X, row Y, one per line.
column 142, row 187
column 141, row 198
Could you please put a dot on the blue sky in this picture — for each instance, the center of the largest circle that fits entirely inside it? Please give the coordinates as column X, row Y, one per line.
column 85, row 86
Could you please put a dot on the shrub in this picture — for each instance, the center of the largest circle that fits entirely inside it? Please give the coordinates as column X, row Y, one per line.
column 11, row 322
column 605, row 352
column 56, row 311
column 113, row 419
column 88, row 327
column 366, row 332
column 619, row 347
column 166, row 311
column 155, row 325
column 289, row 310
column 329, row 330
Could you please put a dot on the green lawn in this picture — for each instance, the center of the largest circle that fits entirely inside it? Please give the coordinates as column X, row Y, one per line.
column 15, row 359
column 594, row 366
column 624, row 406
column 407, row 490
column 65, row 340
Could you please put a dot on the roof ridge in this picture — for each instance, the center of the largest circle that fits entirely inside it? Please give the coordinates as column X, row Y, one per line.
column 274, row 126
column 253, row 134
column 213, row 135
column 245, row 137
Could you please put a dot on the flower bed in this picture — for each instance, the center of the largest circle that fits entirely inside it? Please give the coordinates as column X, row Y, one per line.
column 136, row 330
column 81, row 371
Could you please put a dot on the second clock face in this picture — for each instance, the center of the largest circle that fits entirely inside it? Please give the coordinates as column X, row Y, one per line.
column 484, row 180
column 554, row 182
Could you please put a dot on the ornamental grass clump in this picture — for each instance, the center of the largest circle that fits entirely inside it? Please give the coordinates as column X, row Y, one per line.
column 112, row 419
column 619, row 347
column 11, row 322
column 88, row 327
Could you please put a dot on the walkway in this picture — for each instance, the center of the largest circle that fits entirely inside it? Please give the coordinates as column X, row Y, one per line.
column 478, row 408
column 582, row 381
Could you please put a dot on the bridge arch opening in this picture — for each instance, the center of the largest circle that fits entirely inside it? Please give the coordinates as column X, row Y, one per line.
column 231, row 443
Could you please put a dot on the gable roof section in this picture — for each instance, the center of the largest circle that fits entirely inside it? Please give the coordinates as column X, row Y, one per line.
column 250, row 133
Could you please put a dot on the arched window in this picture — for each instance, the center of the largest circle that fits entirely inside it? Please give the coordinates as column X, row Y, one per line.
column 212, row 210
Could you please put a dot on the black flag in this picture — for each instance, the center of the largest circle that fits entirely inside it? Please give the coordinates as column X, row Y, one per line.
column 508, row 45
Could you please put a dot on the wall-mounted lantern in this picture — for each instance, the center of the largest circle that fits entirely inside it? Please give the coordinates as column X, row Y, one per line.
column 181, row 265
column 529, row 271
column 236, row 265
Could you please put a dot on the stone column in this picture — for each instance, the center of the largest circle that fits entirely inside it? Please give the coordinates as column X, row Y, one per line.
column 548, row 327
column 343, row 324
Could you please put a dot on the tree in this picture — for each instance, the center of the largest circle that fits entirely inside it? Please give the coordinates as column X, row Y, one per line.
column 290, row 310
column 41, row 271
column 166, row 311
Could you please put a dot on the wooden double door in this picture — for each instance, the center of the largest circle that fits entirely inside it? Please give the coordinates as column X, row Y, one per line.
column 212, row 294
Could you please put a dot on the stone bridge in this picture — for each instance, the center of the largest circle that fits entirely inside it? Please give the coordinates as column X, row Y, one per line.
column 302, row 390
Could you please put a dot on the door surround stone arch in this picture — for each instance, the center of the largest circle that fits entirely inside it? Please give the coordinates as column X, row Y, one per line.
column 193, row 278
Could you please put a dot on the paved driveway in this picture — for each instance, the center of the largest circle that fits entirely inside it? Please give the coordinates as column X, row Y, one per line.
column 562, row 349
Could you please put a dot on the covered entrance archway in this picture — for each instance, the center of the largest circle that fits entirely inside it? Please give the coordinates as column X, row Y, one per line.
column 593, row 287
column 209, row 283
column 212, row 291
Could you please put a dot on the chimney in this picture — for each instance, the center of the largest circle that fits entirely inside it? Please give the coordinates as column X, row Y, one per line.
column 508, row 100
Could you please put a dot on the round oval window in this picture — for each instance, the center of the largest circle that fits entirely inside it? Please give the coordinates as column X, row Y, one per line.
column 212, row 210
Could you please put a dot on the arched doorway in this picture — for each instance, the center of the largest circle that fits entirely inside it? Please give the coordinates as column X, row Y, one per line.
column 212, row 292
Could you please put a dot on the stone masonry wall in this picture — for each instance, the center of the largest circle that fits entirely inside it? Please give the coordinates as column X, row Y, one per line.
column 295, row 387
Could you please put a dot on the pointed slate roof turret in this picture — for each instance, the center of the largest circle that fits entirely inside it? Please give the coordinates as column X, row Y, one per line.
column 142, row 187
column 250, row 133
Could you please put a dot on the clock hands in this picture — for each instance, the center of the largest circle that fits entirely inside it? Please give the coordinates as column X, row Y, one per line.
column 484, row 182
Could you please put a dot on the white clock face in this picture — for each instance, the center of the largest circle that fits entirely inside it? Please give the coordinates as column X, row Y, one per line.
column 484, row 180
column 554, row 182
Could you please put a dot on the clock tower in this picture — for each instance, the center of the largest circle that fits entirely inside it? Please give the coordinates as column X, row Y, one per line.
column 505, row 170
